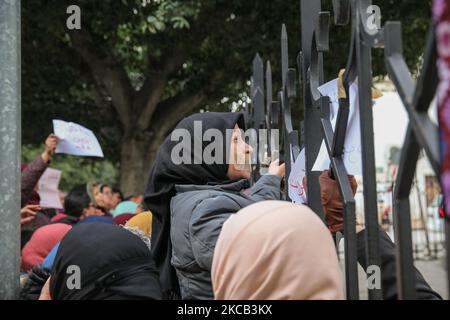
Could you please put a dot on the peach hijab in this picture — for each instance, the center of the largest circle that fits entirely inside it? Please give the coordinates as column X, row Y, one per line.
column 275, row 250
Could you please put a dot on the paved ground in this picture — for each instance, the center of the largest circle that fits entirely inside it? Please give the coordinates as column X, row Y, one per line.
column 432, row 270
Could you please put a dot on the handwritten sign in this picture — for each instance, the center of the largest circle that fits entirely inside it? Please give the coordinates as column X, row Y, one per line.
column 352, row 144
column 48, row 189
column 296, row 189
column 76, row 140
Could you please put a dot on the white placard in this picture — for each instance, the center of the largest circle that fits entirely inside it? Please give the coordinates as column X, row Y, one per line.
column 48, row 189
column 352, row 144
column 76, row 140
column 296, row 189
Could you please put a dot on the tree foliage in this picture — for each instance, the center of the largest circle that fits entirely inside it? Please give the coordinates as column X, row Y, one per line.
column 137, row 66
column 76, row 170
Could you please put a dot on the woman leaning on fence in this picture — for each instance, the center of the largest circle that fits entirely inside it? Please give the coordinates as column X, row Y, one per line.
column 190, row 203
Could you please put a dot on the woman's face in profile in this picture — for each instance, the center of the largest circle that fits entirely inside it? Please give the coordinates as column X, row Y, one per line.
column 240, row 155
column 99, row 197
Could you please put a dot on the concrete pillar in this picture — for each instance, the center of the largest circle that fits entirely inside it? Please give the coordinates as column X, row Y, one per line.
column 10, row 143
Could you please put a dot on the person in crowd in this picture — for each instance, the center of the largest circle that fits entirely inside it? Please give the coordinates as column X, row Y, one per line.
column 276, row 250
column 28, row 213
column 141, row 225
column 190, row 202
column 125, row 211
column 122, row 219
column 41, row 243
column 95, row 218
column 106, row 191
column 123, row 267
column 333, row 208
column 125, row 207
column 135, row 198
column 35, row 280
column 62, row 196
column 117, row 197
column 78, row 204
column 141, row 221
column 30, row 175
column 100, row 201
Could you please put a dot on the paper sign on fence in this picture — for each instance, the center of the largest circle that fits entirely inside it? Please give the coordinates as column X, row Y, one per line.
column 48, row 189
column 296, row 189
column 76, row 140
column 352, row 144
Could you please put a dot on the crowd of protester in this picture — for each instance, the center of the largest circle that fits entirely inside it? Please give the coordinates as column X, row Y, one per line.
column 198, row 231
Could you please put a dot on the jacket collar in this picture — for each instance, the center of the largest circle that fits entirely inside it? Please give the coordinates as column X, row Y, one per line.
column 230, row 186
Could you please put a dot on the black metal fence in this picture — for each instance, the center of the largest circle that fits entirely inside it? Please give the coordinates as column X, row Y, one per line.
column 422, row 133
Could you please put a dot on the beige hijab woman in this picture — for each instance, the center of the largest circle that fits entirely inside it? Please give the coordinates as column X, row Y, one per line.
column 275, row 250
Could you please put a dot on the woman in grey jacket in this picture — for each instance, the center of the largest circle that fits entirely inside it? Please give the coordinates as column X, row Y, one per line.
column 190, row 199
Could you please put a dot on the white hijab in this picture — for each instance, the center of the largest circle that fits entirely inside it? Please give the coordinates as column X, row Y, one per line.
column 275, row 250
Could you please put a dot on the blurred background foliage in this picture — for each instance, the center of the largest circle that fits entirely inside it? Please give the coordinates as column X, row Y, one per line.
column 75, row 170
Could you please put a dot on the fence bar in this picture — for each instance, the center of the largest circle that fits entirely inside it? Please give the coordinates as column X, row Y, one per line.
column 286, row 97
column 421, row 133
column 313, row 139
column 402, row 217
column 341, row 176
column 9, row 148
column 415, row 97
column 364, row 71
column 258, row 112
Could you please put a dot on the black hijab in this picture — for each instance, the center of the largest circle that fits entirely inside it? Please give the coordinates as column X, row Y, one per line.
column 113, row 263
column 165, row 175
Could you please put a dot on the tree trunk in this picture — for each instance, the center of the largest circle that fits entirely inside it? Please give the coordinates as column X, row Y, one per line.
column 145, row 119
column 137, row 156
column 134, row 167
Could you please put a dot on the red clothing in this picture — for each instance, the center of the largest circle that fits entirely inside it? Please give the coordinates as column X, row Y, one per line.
column 41, row 243
column 123, row 218
column 58, row 216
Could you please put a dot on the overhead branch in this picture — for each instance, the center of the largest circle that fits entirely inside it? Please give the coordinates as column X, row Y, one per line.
column 107, row 72
column 150, row 94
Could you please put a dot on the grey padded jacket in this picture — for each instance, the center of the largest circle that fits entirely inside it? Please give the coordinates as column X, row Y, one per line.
column 197, row 215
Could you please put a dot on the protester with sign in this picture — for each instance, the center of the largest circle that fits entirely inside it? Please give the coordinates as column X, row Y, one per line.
column 31, row 173
column 76, row 140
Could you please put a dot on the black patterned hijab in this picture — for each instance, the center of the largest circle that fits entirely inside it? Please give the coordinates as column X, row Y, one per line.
column 165, row 174
column 112, row 262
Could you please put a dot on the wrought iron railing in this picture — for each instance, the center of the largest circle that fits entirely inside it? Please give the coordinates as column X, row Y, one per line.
column 422, row 133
